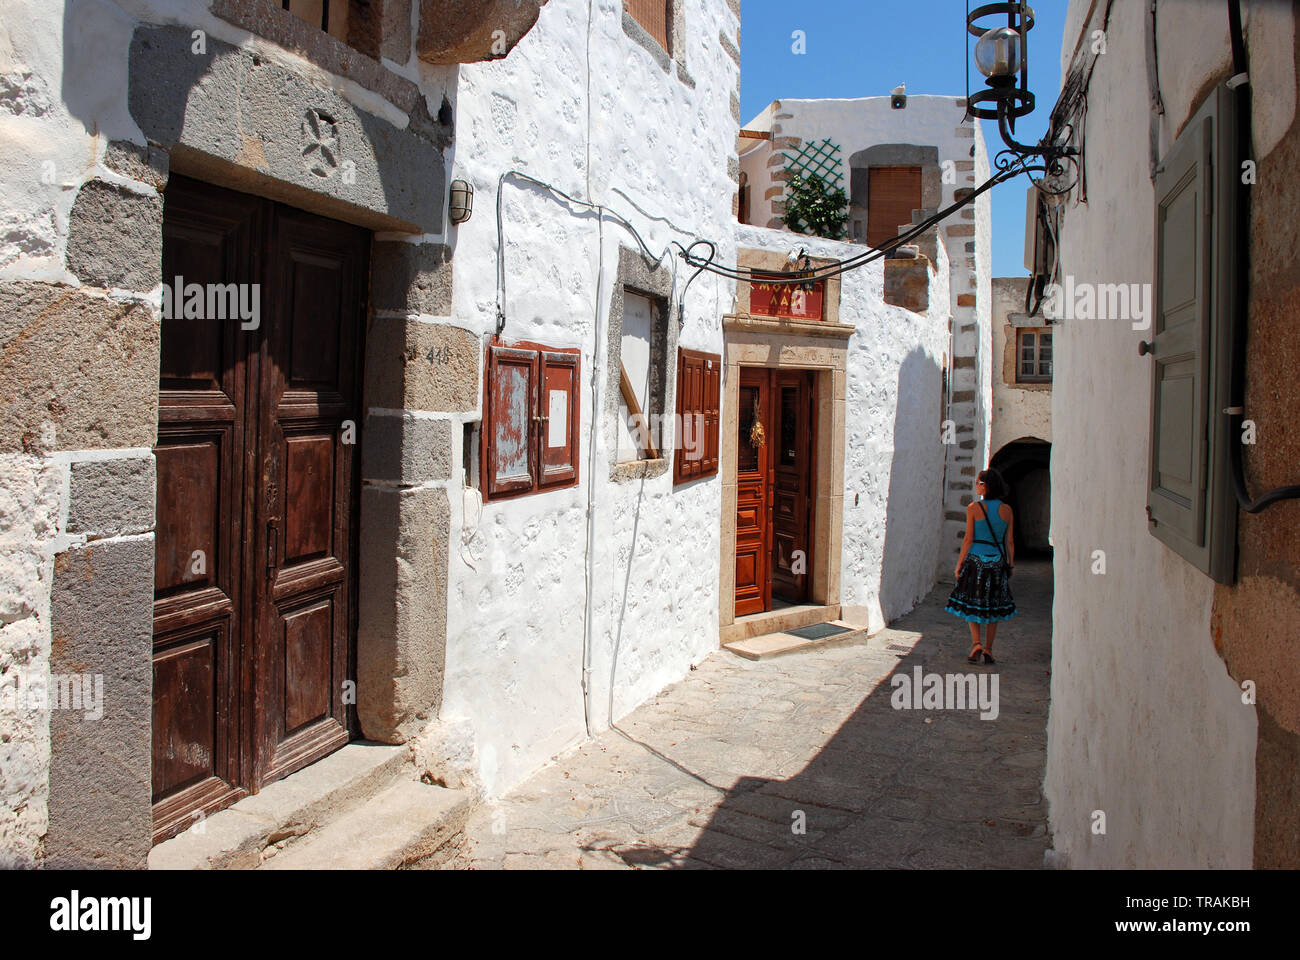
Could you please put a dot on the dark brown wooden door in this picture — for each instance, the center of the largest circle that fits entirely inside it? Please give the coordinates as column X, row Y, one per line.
column 792, row 477
column 257, row 498
column 753, row 503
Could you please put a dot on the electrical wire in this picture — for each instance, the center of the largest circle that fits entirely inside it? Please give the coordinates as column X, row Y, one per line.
column 844, row 266
column 648, row 255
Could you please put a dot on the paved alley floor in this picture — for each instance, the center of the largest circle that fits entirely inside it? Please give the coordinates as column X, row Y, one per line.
column 802, row 761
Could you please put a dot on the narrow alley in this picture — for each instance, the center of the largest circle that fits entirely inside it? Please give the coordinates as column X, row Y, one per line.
column 723, row 769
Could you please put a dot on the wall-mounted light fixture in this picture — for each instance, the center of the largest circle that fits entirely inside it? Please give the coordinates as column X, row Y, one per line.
column 1002, row 56
column 462, row 201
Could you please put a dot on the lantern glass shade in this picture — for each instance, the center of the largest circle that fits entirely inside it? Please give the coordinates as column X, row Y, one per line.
column 998, row 53
column 462, row 201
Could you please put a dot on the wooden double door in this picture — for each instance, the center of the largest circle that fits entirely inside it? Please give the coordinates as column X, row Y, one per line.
column 775, row 473
column 258, row 478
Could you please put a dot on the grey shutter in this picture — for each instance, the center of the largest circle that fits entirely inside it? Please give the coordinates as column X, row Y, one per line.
column 1190, row 501
column 1179, row 403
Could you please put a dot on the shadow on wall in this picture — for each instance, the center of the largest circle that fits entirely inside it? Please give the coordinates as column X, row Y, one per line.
column 1025, row 465
column 914, row 509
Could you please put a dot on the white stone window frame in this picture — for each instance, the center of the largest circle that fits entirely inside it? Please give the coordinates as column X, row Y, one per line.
column 639, row 277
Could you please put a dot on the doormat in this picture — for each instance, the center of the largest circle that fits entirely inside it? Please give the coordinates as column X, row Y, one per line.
column 818, row 631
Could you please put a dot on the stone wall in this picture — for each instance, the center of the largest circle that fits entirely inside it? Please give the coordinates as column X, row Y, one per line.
column 102, row 102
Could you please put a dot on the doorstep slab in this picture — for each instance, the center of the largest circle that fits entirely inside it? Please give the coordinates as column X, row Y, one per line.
column 774, row 644
column 235, row 838
column 398, row 827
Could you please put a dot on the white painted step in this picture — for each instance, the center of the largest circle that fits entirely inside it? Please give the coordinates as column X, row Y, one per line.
column 405, row 823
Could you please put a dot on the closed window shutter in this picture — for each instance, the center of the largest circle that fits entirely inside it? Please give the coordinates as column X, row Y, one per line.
column 530, row 419
column 558, row 438
column 699, row 383
column 653, row 16
column 892, row 194
column 510, row 461
column 1178, row 413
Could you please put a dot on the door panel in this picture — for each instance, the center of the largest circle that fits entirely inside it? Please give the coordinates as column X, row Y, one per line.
column 774, row 488
column 792, row 486
column 753, row 547
column 256, row 503
column 308, row 384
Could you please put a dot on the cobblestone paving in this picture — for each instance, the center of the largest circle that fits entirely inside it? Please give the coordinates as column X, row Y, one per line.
column 720, row 769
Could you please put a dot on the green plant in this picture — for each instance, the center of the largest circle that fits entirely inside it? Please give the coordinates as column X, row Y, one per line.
column 813, row 207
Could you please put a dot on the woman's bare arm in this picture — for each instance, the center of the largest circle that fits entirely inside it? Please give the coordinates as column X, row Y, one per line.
column 968, row 539
column 1009, row 516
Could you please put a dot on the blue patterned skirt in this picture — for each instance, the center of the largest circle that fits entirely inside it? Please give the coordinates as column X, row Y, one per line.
column 983, row 591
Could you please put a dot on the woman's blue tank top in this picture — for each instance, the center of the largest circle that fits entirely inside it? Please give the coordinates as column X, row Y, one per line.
column 986, row 540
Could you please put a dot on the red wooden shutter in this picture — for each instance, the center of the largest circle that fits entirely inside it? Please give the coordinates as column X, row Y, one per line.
column 509, row 454
column 653, row 15
column 892, row 194
column 699, row 392
column 560, row 405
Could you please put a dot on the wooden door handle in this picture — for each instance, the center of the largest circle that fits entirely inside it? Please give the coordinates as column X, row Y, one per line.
column 272, row 543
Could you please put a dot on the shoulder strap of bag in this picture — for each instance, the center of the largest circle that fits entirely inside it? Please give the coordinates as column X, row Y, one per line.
column 997, row 542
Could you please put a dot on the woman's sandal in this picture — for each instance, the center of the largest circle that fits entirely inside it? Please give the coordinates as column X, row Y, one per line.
column 987, row 657
column 975, row 654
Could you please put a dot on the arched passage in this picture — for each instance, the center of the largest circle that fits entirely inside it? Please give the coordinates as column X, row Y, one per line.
column 1025, row 464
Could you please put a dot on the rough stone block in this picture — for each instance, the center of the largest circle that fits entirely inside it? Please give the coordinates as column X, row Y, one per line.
column 907, row 283
column 148, row 164
column 112, row 496
column 101, row 614
column 383, row 27
column 406, row 450
column 115, row 237
column 965, row 299
column 395, row 30
column 402, row 629
column 961, row 230
column 77, row 371
column 411, row 277
column 249, row 123
column 421, row 366
column 457, row 31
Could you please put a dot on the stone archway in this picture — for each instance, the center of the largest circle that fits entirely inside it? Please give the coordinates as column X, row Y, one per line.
column 1025, row 464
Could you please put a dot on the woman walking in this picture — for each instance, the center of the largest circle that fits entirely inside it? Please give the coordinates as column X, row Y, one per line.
column 988, row 553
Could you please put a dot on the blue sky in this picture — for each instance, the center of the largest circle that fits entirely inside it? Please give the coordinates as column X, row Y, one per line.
column 865, row 48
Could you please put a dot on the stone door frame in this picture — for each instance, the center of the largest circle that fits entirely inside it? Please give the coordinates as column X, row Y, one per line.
column 819, row 346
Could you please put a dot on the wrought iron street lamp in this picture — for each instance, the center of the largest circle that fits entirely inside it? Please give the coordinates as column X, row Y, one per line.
column 1002, row 56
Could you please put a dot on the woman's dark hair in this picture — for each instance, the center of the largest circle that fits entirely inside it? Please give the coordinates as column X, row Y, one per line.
column 995, row 488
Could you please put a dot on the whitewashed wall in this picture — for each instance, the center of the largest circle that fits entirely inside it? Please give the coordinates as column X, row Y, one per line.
column 1146, row 724
column 618, row 130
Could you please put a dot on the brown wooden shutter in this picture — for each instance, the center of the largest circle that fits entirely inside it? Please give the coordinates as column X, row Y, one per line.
column 509, row 455
column 699, row 393
column 892, row 194
column 653, row 16
column 560, row 406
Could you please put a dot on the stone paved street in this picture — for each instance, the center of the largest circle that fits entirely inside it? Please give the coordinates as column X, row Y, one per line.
column 712, row 772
